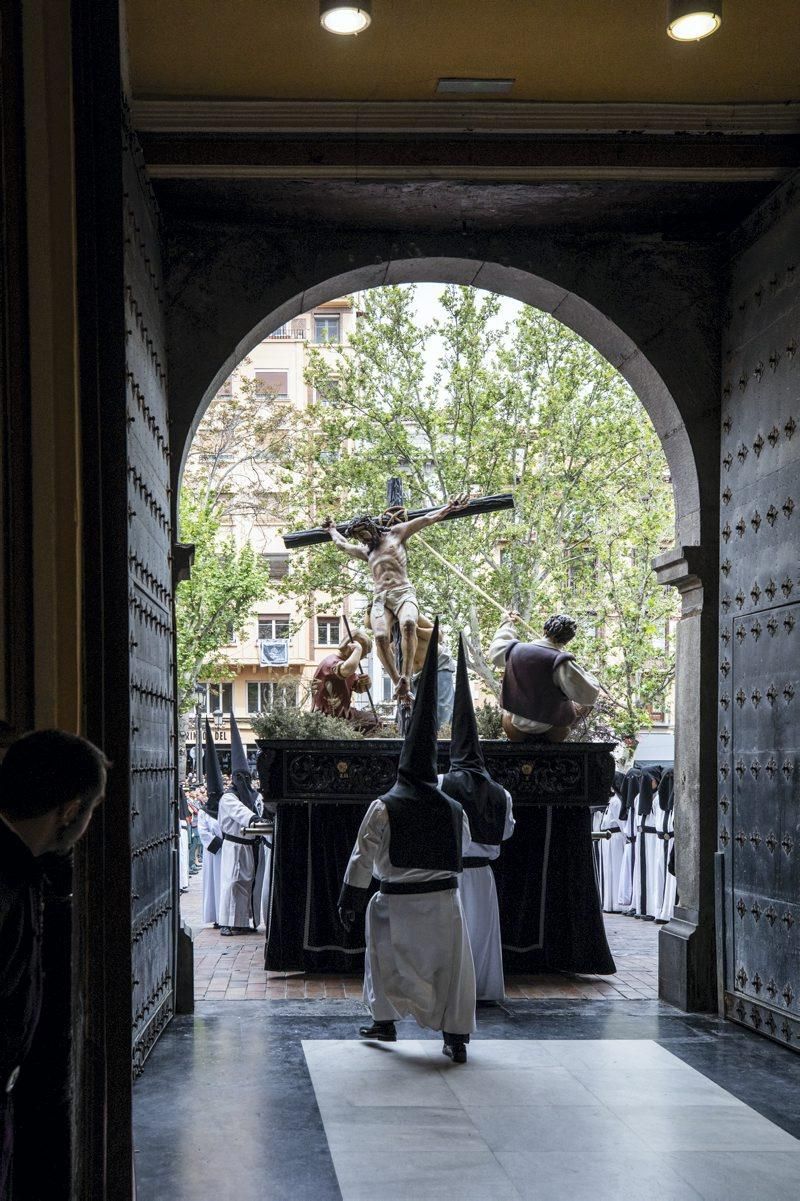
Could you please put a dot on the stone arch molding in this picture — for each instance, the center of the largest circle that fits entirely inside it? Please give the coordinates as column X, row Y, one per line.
column 578, row 314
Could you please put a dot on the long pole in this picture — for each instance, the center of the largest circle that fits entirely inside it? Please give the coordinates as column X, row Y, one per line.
column 369, row 690
column 475, row 587
column 492, row 600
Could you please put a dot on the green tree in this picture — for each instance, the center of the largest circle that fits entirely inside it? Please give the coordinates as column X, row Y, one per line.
column 213, row 605
column 528, row 407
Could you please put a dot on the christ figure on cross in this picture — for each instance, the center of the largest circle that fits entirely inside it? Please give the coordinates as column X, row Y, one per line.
column 395, row 599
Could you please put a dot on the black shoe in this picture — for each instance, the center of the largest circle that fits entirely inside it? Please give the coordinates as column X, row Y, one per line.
column 455, row 1051
column 244, row 930
column 225, row 931
column 381, row 1032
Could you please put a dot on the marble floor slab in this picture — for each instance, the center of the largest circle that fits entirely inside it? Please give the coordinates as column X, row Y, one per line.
column 584, row 1119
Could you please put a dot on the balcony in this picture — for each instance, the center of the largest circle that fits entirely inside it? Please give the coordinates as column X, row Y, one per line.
column 293, row 331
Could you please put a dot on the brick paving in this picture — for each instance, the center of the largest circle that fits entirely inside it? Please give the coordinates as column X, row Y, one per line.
column 233, row 968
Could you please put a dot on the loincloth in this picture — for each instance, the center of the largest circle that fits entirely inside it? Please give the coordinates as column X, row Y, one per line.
column 393, row 599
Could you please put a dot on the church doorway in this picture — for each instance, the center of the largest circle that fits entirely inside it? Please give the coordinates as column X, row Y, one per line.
column 237, row 971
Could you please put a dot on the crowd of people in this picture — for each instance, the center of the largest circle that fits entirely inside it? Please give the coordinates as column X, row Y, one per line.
column 635, row 850
column 230, row 821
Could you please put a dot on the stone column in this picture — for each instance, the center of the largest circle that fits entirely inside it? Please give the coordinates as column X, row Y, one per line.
column 687, row 945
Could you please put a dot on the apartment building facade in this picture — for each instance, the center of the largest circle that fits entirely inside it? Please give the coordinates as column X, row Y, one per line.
column 275, row 657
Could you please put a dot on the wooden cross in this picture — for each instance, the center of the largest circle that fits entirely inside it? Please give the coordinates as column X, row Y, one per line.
column 394, row 496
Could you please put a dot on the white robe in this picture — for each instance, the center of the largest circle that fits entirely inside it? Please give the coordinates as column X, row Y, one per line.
column 479, row 902
column 648, row 874
column 598, row 866
column 183, row 855
column 237, row 902
column 625, row 893
column 207, row 828
column 418, row 962
column 671, row 884
column 612, row 851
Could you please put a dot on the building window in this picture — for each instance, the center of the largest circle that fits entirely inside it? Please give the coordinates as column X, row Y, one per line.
column 328, row 631
column 278, row 565
column 329, row 393
column 272, row 627
column 326, row 330
column 272, row 384
column 262, row 696
column 387, row 689
column 216, row 697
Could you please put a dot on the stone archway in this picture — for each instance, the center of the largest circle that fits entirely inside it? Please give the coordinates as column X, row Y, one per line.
column 669, row 357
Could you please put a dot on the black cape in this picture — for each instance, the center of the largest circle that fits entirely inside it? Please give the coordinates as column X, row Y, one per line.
column 425, row 825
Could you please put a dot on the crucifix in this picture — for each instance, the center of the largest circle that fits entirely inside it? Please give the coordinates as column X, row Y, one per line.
column 380, row 542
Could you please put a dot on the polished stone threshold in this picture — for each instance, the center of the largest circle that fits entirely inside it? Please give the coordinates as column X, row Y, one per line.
column 227, row 1106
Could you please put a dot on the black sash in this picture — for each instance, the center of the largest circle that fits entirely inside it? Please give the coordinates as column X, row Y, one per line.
column 244, row 842
column 413, row 886
column 475, row 861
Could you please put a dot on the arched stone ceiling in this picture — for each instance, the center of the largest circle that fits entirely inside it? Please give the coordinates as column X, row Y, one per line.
column 556, row 50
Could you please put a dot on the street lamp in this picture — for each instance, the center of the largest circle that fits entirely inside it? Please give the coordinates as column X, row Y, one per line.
column 200, row 693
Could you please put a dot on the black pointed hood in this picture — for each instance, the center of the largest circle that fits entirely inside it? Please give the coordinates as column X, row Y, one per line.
column 465, row 747
column 468, row 781
column 241, row 775
column 418, row 757
column 425, row 823
column 214, row 785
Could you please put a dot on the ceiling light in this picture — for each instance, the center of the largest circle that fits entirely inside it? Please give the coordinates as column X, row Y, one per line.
column 337, row 16
column 691, row 20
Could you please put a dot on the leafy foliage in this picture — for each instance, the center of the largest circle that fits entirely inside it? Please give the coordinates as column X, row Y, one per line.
column 215, row 603
column 528, row 407
column 287, row 721
column 488, row 720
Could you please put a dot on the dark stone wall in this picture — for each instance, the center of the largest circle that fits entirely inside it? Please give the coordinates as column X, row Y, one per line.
column 759, row 634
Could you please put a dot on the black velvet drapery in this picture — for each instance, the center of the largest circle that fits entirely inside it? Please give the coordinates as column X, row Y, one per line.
column 550, row 912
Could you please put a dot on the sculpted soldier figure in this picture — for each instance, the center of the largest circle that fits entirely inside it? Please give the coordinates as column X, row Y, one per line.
column 382, row 546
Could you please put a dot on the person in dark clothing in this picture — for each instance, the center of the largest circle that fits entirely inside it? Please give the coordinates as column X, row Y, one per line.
column 50, row 784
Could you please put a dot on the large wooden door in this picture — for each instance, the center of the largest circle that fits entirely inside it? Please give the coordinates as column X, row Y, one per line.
column 759, row 662
column 150, row 617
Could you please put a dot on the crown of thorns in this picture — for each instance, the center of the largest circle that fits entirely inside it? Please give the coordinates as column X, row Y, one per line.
column 364, row 522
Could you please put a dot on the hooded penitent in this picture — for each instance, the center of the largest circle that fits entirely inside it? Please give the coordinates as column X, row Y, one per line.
column 241, row 777
column 214, row 784
column 424, row 823
column 468, row 781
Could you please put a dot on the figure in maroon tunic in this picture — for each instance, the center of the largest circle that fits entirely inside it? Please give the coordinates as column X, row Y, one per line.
column 338, row 676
